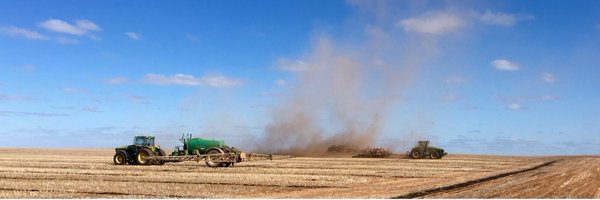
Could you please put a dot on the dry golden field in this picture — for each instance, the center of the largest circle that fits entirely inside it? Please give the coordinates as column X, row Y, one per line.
column 90, row 173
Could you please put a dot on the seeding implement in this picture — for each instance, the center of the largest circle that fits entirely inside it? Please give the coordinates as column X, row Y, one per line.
column 422, row 150
column 215, row 153
column 371, row 152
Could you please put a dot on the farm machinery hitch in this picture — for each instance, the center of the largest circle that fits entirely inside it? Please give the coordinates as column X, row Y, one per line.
column 215, row 153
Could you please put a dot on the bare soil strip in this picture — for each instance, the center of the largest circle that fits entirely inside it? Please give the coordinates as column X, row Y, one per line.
column 468, row 183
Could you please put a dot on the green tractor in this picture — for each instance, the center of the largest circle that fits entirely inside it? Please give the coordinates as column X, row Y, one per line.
column 201, row 146
column 424, row 150
column 137, row 153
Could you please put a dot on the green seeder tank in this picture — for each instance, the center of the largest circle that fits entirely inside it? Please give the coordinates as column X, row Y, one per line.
column 202, row 145
column 199, row 146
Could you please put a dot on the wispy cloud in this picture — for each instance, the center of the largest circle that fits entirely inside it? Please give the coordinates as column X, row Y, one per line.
column 451, row 97
column 517, row 99
column 549, row 97
column 137, row 99
column 80, row 28
column 37, row 114
column 280, row 83
column 456, row 80
column 515, row 102
column 503, row 19
column 548, row 78
column 28, row 68
column 90, row 109
column 505, row 65
column 192, row 38
column 4, row 97
column 66, row 40
column 116, row 80
column 436, row 23
column 133, row 35
column 24, row 33
column 189, row 80
column 292, row 65
column 516, row 106
column 72, row 90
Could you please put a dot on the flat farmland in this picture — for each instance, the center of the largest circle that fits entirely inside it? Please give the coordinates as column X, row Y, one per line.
column 90, row 173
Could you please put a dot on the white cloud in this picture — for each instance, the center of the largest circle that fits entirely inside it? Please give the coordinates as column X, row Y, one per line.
column 81, row 27
column 505, row 65
column 116, row 80
column 292, row 65
column 436, row 23
column 87, row 25
column 133, row 35
column 516, row 106
column 25, row 33
column 548, row 78
column 503, row 19
column 189, row 80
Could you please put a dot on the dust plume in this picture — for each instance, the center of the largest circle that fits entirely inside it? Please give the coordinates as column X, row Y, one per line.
column 343, row 90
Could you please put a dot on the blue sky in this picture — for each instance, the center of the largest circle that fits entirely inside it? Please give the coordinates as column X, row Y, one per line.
column 500, row 77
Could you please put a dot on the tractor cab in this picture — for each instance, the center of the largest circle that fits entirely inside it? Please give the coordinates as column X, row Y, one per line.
column 146, row 141
column 424, row 143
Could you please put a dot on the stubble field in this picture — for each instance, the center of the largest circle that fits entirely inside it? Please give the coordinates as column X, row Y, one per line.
column 89, row 173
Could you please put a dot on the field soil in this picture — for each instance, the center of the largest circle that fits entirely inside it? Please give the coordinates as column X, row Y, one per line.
column 90, row 173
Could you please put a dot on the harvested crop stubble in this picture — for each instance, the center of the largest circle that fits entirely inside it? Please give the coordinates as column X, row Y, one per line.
column 76, row 173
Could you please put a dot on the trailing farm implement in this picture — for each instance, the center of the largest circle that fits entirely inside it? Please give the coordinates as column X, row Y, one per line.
column 215, row 153
column 421, row 150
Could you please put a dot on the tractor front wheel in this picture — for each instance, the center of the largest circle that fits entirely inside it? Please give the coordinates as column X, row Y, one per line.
column 417, row 153
column 142, row 157
column 120, row 158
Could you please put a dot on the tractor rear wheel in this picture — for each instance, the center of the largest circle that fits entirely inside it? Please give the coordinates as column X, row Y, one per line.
column 120, row 158
column 435, row 154
column 209, row 161
column 417, row 153
column 142, row 157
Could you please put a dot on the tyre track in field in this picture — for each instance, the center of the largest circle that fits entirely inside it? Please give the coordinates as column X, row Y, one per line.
column 97, row 193
column 433, row 191
column 174, row 182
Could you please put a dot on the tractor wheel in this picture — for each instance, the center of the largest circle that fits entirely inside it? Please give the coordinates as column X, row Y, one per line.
column 417, row 153
column 435, row 154
column 208, row 159
column 142, row 157
column 227, row 164
column 161, row 153
column 120, row 158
